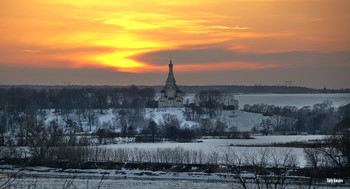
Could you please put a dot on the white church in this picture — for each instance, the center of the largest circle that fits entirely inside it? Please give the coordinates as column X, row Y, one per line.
column 171, row 95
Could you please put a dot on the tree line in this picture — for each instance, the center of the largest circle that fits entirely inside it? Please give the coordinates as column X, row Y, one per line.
column 24, row 99
column 317, row 119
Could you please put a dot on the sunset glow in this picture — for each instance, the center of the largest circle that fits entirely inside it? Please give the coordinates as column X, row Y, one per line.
column 126, row 36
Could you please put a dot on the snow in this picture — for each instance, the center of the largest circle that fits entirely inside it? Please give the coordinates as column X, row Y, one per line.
column 116, row 182
column 208, row 144
column 85, row 183
column 220, row 145
column 157, row 114
column 244, row 121
column 107, row 116
column 43, row 177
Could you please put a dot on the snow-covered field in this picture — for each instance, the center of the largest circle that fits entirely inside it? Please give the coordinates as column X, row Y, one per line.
column 244, row 121
column 209, row 144
column 298, row 100
column 221, row 145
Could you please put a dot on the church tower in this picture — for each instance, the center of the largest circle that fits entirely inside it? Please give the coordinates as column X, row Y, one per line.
column 171, row 95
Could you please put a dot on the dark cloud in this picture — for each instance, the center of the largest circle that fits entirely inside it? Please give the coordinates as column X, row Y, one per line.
column 215, row 55
column 308, row 69
column 78, row 76
column 315, row 77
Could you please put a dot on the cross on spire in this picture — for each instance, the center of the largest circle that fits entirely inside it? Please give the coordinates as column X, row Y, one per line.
column 171, row 78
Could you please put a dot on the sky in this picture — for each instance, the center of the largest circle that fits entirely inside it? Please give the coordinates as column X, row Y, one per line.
column 211, row 42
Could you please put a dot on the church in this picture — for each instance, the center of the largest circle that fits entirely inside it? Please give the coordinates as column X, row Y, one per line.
column 171, row 95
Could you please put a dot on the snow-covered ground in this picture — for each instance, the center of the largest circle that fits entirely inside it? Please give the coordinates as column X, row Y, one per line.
column 208, row 145
column 221, row 145
column 244, row 121
column 156, row 114
column 298, row 100
column 84, row 183
column 43, row 177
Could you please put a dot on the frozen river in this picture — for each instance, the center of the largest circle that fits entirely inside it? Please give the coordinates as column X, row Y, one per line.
column 298, row 100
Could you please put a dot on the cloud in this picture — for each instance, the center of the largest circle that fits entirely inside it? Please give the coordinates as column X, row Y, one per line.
column 233, row 28
column 137, row 36
column 316, row 77
column 221, row 59
column 18, row 55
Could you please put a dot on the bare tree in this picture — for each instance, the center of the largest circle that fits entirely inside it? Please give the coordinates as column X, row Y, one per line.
column 266, row 168
column 127, row 118
column 210, row 100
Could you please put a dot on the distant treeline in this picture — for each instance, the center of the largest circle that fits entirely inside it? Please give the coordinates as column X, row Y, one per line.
column 260, row 89
column 30, row 99
column 279, row 89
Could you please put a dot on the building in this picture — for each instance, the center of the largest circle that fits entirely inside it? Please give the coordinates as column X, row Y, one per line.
column 171, row 95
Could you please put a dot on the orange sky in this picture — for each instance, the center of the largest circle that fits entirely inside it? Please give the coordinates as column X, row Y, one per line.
column 137, row 36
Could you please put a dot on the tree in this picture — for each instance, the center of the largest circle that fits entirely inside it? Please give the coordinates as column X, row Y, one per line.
column 130, row 132
column 312, row 156
column 344, row 111
column 92, row 119
column 170, row 126
column 123, row 122
column 43, row 138
column 127, row 119
column 336, row 152
column 210, row 100
column 220, row 128
column 171, row 132
column 193, row 112
column 340, row 140
column 267, row 168
column 324, row 107
column 55, row 133
column 101, row 99
column 72, row 127
column 153, row 129
column 186, row 134
column 205, row 127
column 101, row 134
column 266, row 126
column 229, row 102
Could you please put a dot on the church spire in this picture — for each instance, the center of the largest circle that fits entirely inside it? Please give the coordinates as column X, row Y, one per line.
column 171, row 94
column 171, row 78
